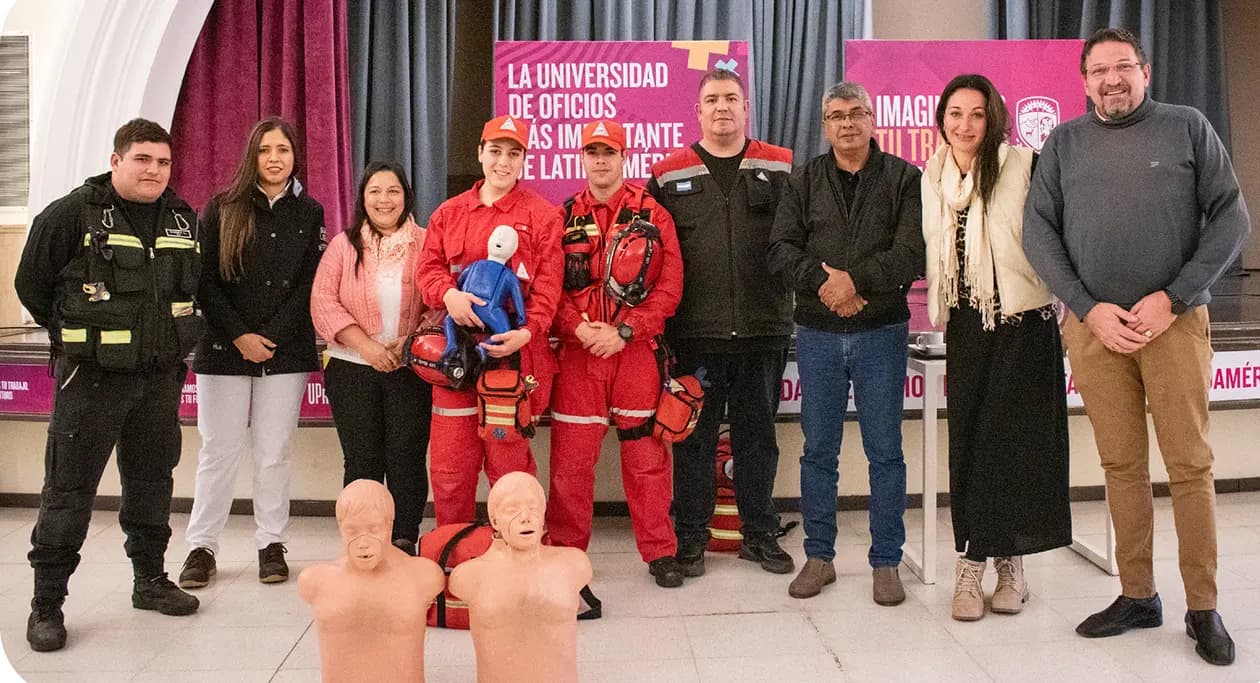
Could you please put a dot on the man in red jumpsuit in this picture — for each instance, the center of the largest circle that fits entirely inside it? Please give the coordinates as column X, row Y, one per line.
column 608, row 367
column 458, row 231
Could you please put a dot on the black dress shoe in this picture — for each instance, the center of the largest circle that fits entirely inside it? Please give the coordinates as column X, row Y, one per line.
column 1211, row 640
column 1122, row 615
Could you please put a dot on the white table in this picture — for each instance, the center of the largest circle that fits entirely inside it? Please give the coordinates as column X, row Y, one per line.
column 923, row 563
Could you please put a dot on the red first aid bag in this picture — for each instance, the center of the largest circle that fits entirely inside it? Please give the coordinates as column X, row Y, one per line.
column 448, row 546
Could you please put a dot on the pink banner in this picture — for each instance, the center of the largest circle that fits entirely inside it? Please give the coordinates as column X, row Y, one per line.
column 27, row 390
column 649, row 87
column 1039, row 80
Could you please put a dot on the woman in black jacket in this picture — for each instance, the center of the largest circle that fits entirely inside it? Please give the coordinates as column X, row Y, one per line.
column 262, row 238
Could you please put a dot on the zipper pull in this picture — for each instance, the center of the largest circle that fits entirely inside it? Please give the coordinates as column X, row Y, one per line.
column 152, row 256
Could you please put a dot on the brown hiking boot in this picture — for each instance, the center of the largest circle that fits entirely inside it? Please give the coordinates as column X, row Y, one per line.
column 814, row 575
column 1012, row 588
column 271, row 565
column 198, row 569
column 968, row 594
column 887, row 589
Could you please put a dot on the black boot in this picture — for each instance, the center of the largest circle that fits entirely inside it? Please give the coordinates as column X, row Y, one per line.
column 1211, row 640
column 690, row 556
column 46, row 627
column 159, row 593
column 1123, row 614
column 765, row 551
column 668, row 572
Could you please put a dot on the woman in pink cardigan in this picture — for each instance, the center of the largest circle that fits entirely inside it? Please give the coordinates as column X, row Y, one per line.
column 365, row 304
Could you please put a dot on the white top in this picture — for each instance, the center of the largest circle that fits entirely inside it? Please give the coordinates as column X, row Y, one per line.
column 389, row 282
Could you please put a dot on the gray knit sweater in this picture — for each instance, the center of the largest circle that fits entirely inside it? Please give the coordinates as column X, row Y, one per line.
column 1120, row 209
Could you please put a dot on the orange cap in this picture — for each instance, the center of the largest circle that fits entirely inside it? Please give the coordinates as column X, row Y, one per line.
column 606, row 131
column 506, row 127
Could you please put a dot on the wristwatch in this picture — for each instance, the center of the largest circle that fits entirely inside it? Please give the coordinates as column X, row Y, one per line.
column 1178, row 306
column 625, row 332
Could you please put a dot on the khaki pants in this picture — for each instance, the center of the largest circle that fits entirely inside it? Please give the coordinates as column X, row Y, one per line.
column 1171, row 374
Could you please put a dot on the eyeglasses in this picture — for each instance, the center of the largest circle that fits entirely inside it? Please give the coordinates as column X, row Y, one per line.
column 1123, row 69
column 857, row 116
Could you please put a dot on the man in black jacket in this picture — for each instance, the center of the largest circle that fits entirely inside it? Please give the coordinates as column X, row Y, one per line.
column 733, row 321
column 848, row 240
column 111, row 271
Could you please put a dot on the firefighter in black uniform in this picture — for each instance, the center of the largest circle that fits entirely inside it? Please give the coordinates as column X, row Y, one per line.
column 110, row 270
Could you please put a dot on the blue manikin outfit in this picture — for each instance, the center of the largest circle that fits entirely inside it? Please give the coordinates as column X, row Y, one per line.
column 493, row 283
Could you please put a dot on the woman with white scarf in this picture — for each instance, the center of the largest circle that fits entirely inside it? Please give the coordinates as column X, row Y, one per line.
column 1008, row 440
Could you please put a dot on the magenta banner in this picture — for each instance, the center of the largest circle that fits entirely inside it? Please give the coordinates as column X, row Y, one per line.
column 27, row 390
column 648, row 87
column 1039, row 80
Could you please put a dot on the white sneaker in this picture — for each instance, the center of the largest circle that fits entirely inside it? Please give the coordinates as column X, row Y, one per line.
column 968, row 595
column 1012, row 589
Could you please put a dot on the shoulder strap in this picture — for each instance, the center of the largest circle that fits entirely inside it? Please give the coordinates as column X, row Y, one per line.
column 445, row 557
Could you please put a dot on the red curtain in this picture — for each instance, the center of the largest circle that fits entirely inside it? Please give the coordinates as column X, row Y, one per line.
column 258, row 58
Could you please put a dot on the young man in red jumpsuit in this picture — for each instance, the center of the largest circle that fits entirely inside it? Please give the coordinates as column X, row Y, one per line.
column 608, row 368
column 457, row 236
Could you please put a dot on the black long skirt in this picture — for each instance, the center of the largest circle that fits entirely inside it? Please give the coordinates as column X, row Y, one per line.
column 1008, row 435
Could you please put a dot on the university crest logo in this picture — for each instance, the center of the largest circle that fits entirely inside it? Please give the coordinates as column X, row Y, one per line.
column 1036, row 116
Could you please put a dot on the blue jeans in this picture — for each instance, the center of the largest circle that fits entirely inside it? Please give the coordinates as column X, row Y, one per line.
column 874, row 361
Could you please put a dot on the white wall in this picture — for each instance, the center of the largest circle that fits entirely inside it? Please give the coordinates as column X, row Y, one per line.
column 95, row 65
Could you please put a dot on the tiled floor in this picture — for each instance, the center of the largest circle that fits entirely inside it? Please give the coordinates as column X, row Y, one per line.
column 737, row 623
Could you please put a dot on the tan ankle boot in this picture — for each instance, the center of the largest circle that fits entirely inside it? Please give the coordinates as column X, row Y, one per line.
column 968, row 595
column 1012, row 590
column 814, row 575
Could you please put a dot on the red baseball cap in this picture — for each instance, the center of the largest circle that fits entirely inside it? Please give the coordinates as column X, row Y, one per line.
column 506, row 128
column 606, row 131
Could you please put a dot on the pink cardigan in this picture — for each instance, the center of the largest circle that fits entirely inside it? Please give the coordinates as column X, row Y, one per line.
column 342, row 297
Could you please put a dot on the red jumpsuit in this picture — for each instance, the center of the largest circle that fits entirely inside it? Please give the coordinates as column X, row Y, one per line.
column 457, row 236
column 624, row 388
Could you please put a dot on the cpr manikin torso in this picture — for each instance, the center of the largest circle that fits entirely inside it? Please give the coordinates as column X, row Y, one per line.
column 370, row 605
column 522, row 596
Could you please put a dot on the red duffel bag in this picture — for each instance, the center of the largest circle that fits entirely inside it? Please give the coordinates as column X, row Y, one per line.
column 448, row 546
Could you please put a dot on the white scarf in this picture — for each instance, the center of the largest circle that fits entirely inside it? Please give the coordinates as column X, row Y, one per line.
column 958, row 193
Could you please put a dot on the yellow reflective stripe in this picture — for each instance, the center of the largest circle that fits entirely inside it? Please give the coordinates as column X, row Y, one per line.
column 115, row 336
column 725, row 535
column 116, row 240
column 490, row 420
column 726, row 509
column 181, row 308
column 502, row 410
column 591, row 230
column 454, row 412
column 578, row 419
column 74, row 335
column 456, row 604
column 174, row 243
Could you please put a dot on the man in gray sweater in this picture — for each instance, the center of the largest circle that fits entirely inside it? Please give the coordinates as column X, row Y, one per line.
column 1134, row 212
